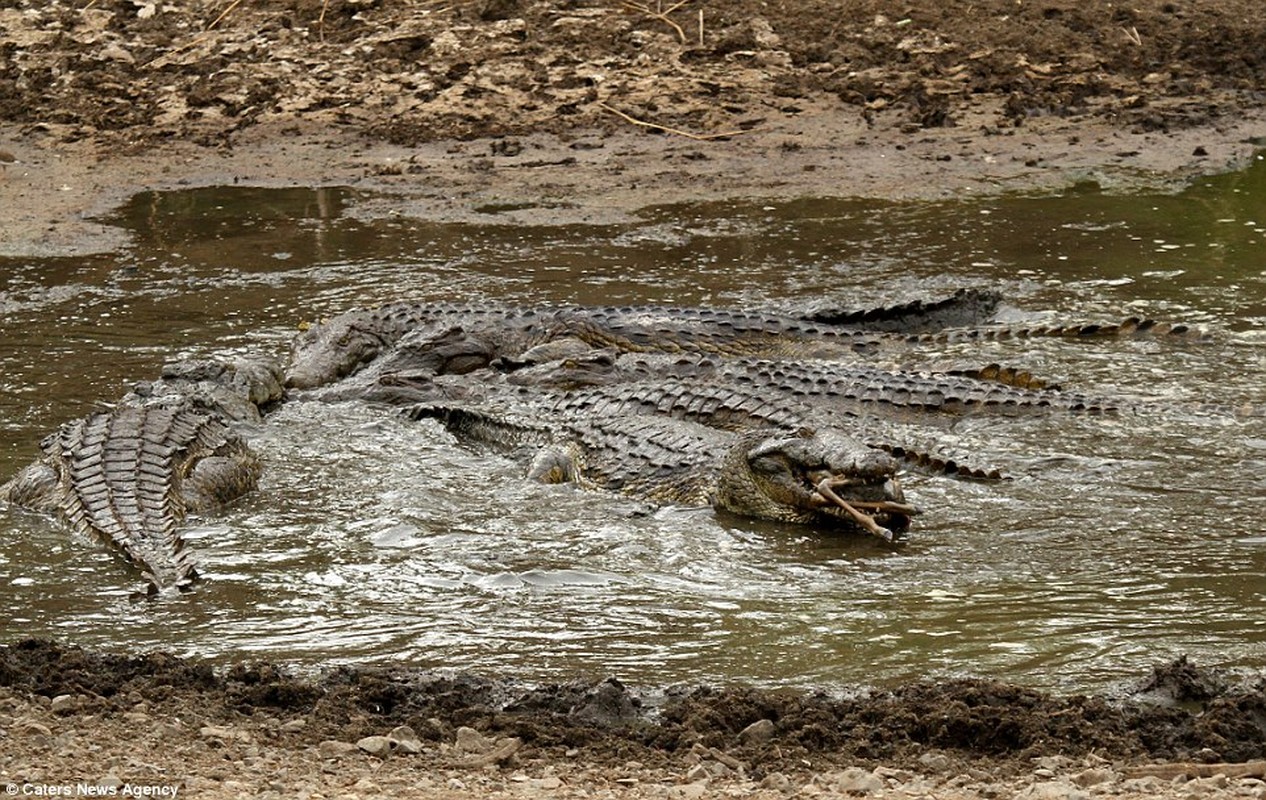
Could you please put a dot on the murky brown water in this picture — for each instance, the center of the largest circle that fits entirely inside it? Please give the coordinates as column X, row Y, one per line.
column 1122, row 541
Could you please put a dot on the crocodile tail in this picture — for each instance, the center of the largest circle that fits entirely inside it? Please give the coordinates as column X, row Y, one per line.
column 124, row 470
column 966, row 307
column 121, row 476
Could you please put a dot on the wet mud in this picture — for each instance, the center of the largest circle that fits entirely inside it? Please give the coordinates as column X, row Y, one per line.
column 1177, row 711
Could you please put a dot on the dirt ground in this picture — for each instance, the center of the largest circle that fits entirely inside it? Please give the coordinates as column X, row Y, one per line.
column 128, row 721
column 587, row 111
column 548, row 112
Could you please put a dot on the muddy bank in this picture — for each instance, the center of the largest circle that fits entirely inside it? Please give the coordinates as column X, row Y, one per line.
column 54, row 197
column 583, row 111
column 74, row 715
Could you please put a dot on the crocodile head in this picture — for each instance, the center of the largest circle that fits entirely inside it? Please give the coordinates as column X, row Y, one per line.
column 336, row 348
column 817, row 478
column 389, row 339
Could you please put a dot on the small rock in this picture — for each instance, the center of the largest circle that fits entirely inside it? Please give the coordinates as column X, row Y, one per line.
column 1053, row 763
column 335, row 749
column 405, row 740
column 501, row 751
column 1093, row 776
column 935, row 762
column 1054, row 790
column 223, row 734
column 111, row 783
column 1145, row 785
column 470, row 740
column 759, row 732
column 778, row 782
column 30, row 727
column 294, row 725
column 691, row 791
column 114, row 52
column 375, row 745
column 856, row 780
column 64, row 704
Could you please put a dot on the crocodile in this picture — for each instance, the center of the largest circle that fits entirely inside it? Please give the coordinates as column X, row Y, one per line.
column 131, row 475
column 821, row 478
column 826, row 384
column 443, row 338
column 454, row 338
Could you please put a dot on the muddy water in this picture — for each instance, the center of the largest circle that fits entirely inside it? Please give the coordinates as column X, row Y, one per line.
column 1120, row 541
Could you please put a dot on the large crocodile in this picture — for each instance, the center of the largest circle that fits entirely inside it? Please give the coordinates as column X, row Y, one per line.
column 131, row 475
column 460, row 338
column 455, row 339
column 824, row 478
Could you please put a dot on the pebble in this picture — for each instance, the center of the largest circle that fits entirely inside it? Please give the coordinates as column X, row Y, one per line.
column 405, row 740
column 30, row 726
column 1054, row 790
column 64, row 704
column 110, row 782
column 223, row 734
column 691, row 791
column 1144, row 785
column 1094, row 776
column 375, row 745
column 294, row 725
column 856, row 780
column 935, row 762
column 758, row 732
column 334, row 749
column 470, row 740
column 778, row 782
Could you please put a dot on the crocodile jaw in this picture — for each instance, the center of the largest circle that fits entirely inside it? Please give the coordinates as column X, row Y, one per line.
column 825, row 480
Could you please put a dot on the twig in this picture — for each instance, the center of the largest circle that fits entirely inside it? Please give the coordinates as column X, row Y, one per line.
column 321, row 21
column 225, row 13
column 661, row 14
column 1133, row 35
column 1242, row 769
column 699, row 137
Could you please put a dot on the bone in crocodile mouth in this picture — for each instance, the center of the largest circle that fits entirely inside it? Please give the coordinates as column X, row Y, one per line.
column 890, row 511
